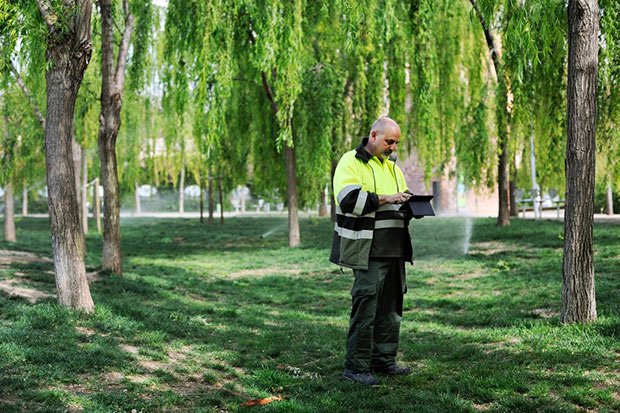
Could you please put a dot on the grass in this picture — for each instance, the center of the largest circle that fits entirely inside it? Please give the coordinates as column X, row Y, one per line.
column 208, row 317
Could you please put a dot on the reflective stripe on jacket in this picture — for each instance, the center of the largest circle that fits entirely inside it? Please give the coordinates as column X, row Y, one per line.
column 359, row 179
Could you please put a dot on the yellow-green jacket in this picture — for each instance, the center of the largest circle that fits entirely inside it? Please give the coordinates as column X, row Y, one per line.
column 359, row 179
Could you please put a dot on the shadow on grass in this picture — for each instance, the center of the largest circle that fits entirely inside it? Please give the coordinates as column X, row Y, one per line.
column 203, row 323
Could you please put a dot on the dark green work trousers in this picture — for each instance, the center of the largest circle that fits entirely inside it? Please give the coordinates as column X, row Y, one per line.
column 377, row 309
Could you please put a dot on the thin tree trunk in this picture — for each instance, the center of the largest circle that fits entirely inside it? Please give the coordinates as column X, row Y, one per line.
column 514, row 210
column 578, row 293
column 294, row 238
column 68, row 53
column 9, row 214
column 182, row 187
column 202, row 207
column 210, row 195
column 323, row 203
column 25, row 201
column 84, row 191
column 112, row 79
column 97, row 205
column 503, row 121
column 610, row 198
column 221, row 197
column 138, row 203
column 290, row 162
column 76, row 150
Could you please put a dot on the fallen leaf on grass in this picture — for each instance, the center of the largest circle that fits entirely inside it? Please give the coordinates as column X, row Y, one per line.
column 261, row 402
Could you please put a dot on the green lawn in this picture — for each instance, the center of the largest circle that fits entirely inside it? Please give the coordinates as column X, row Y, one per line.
column 208, row 317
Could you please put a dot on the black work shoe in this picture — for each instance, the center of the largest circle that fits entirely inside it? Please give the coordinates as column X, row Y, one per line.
column 362, row 378
column 393, row 370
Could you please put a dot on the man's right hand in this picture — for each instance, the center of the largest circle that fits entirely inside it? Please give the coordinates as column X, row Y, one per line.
column 398, row 198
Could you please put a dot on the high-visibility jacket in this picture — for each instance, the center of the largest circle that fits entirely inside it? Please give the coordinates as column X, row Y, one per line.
column 359, row 179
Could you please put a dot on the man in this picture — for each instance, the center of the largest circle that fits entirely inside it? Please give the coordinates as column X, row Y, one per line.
column 371, row 237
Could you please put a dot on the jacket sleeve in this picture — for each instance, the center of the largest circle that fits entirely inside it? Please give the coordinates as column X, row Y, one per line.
column 348, row 188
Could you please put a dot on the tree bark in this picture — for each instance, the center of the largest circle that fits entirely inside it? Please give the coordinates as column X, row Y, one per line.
column 84, row 191
column 138, row 203
column 610, row 199
column 76, row 150
column 97, row 205
column 202, row 206
column 25, row 201
column 221, row 197
column 290, row 162
column 323, row 203
column 9, row 214
column 112, row 80
column 182, row 187
column 211, row 202
column 503, row 121
column 68, row 53
column 578, row 293
column 294, row 238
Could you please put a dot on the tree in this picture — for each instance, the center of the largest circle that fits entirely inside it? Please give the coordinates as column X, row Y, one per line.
column 112, row 82
column 578, row 293
column 68, row 53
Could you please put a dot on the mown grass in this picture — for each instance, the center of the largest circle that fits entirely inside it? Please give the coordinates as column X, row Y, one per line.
column 207, row 317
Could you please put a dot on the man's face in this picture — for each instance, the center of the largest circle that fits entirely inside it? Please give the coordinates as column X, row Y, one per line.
column 386, row 142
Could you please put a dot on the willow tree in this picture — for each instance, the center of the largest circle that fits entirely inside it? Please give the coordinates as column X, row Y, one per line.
column 112, row 84
column 608, row 122
column 68, row 52
column 535, row 55
column 578, row 295
column 485, row 12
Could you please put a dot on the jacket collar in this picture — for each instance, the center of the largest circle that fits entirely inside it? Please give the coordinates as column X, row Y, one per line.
column 365, row 156
column 362, row 153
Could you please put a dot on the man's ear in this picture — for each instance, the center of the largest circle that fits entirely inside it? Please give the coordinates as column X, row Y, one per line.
column 373, row 135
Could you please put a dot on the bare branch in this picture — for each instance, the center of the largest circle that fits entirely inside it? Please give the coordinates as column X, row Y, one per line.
column 121, row 58
column 269, row 92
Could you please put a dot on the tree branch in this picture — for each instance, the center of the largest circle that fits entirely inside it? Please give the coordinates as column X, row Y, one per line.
column 269, row 92
column 48, row 12
column 121, row 58
column 24, row 88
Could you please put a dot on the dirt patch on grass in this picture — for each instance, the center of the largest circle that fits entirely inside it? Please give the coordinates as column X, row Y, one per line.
column 490, row 248
column 10, row 288
column 545, row 313
column 8, row 257
column 263, row 272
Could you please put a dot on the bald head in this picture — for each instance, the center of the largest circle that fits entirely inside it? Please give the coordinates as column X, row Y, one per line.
column 385, row 125
column 383, row 138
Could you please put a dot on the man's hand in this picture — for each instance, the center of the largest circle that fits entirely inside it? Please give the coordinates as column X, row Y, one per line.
column 398, row 198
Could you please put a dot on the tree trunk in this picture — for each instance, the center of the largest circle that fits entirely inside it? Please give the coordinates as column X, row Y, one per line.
column 503, row 120
column 290, row 163
column 112, row 79
column 323, row 203
column 610, row 199
column 9, row 214
column 221, row 197
column 211, row 203
column 294, row 238
column 202, row 206
column 182, row 187
column 84, row 191
column 68, row 53
column 76, row 150
column 25, row 201
column 578, row 293
column 514, row 210
column 97, row 205
column 138, row 203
